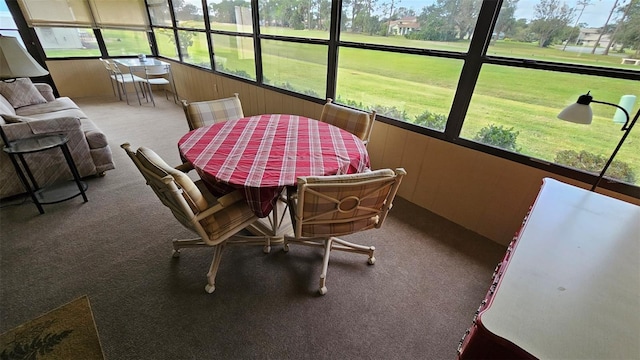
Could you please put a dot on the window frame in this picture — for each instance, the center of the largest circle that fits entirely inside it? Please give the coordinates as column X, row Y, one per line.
column 474, row 59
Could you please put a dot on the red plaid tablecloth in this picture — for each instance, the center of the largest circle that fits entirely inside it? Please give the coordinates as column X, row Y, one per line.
column 263, row 154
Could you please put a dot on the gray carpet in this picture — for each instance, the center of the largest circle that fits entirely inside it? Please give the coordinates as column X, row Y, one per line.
column 414, row 303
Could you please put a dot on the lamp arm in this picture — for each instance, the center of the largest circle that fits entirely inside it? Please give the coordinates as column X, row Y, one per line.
column 626, row 113
column 624, row 136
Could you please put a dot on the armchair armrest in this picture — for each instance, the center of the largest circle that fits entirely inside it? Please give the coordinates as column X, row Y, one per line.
column 25, row 129
column 45, row 90
column 184, row 167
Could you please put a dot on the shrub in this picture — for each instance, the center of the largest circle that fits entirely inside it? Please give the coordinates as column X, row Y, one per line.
column 498, row 136
column 392, row 112
column 431, row 120
column 587, row 161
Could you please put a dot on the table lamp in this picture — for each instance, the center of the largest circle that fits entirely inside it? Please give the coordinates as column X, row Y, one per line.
column 580, row 113
column 15, row 61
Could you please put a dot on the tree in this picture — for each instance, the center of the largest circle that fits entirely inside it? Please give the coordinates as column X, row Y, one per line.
column 550, row 19
column 388, row 10
column 225, row 11
column 186, row 11
column 403, row 12
column 324, row 14
column 584, row 4
column 506, row 21
column 450, row 19
column 436, row 22
column 465, row 17
column 630, row 31
column 627, row 31
column 604, row 28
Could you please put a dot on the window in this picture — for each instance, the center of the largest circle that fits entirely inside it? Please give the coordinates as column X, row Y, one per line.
column 521, row 116
column 287, row 62
column 593, row 33
column 296, row 67
column 234, row 55
column 60, row 42
column 125, row 42
column 230, row 16
column 7, row 25
column 440, row 25
column 194, row 48
column 303, row 19
column 407, row 87
column 166, row 42
column 159, row 12
column 544, row 56
column 492, row 79
column 189, row 14
column 67, row 29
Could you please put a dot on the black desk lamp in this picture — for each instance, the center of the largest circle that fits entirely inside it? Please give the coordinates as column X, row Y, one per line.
column 580, row 113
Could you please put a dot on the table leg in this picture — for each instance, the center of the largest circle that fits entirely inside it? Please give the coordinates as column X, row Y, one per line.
column 24, row 180
column 74, row 170
column 276, row 225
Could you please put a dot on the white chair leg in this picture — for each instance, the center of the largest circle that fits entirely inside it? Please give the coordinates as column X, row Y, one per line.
column 137, row 94
column 124, row 91
column 213, row 269
column 325, row 266
column 151, row 94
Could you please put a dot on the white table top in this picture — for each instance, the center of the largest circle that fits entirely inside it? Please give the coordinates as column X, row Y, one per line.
column 135, row 62
column 572, row 287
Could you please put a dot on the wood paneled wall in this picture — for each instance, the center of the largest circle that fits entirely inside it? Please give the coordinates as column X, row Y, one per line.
column 483, row 193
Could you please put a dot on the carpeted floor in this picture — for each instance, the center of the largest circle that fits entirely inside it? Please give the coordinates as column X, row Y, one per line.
column 415, row 303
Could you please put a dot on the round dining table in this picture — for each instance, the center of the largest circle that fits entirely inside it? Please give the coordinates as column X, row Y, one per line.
column 265, row 153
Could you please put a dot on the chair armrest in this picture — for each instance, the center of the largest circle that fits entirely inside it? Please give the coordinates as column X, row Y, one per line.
column 230, row 198
column 45, row 90
column 21, row 130
column 185, row 167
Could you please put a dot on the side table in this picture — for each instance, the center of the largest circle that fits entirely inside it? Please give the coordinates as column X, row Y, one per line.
column 49, row 194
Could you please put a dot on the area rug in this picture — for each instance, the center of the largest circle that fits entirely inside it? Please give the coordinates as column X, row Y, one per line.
column 68, row 332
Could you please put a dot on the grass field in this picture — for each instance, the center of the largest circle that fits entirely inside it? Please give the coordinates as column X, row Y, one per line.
column 526, row 100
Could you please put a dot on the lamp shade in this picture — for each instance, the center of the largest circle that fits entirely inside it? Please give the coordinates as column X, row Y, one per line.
column 15, row 61
column 577, row 113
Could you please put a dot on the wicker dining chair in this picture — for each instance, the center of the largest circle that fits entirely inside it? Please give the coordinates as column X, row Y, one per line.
column 202, row 113
column 324, row 207
column 357, row 122
column 216, row 221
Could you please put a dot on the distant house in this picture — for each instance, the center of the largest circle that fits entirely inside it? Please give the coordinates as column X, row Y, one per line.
column 589, row 37
column 404, row 26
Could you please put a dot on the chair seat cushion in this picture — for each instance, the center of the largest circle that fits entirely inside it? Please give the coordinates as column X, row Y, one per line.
column 223, row 222
column 59, row 104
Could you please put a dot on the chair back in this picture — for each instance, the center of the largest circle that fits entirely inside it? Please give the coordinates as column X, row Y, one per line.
column 107, row 65
column 121, row 76
column 174, row 188
column 157, row 70
column 357, row 122
column 202, row 113
column 325, row 206
column 115, row 68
